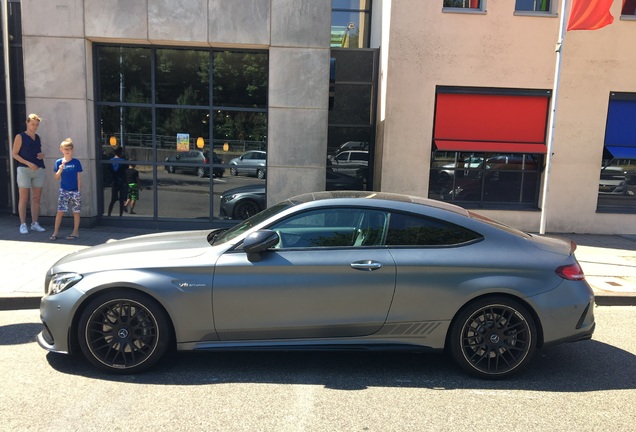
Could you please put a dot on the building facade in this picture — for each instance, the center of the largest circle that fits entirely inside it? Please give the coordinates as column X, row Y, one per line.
column 446, row 99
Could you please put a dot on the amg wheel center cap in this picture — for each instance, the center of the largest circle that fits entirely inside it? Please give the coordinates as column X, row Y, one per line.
column 494, row 338
column 123, row 333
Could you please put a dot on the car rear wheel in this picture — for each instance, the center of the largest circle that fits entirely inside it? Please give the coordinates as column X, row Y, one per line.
column 245, row 209
column 200, row 172
column 493, row 337
column 123, row 332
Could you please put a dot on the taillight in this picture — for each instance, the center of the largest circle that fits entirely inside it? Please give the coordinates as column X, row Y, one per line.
column 571, row 272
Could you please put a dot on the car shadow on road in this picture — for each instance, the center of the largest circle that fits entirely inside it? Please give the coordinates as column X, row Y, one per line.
column 581, row 367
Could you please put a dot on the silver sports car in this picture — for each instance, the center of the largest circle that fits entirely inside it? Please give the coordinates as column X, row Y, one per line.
column 328, row 270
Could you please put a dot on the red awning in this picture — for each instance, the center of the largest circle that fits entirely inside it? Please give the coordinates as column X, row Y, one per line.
column 490, row 146
column 491, row 122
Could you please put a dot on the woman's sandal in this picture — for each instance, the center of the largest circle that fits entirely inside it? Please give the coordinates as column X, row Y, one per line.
column 53, row 238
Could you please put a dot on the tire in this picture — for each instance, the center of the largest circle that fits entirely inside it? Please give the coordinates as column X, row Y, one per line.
column 233, row 171
column 171, row 169
column 123, row 332
column 245, row 209
column 260, row 174
column 493, row 337
column 200, row 171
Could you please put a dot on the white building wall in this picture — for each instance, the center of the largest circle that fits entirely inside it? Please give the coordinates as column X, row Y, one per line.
column 498, row 49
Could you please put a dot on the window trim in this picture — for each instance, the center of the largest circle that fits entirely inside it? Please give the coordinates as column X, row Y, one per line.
column 481, row 10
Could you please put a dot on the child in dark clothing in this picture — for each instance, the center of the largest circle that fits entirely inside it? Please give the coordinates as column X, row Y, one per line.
column 132, row 178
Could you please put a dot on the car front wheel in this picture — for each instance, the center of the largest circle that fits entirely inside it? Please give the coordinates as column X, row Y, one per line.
column 260, row 174
column 245, row 209
column 493, row 337
column 123, row 332
column 233, row 171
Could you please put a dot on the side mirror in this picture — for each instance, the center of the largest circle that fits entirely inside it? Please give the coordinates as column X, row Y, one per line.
column 258, row 242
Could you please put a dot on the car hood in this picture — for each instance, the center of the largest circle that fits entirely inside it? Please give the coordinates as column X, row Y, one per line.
column 151, row 250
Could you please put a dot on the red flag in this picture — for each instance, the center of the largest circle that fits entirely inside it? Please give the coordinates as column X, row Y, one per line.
column 590, row 14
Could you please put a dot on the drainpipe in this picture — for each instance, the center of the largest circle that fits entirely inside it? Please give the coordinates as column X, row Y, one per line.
column 7, row 83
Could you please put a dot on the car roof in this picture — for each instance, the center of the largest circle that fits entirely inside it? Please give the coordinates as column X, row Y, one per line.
column 377, row 196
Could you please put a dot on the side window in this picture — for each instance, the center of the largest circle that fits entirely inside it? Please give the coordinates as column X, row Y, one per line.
column 338, row 227
column 464, row 4
column 533, row 5
column 411, row 230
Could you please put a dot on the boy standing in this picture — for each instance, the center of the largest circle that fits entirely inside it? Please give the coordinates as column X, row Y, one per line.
column 68, row 169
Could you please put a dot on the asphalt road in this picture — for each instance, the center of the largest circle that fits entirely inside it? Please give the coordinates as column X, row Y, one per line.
column 584, row 386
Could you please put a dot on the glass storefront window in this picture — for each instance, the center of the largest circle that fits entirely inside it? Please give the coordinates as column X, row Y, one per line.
column 485, row 179
column 124, row 75
column 183, row 77
column 182, row 132
column 617, row 185
column 350, row 23
column 240, row 79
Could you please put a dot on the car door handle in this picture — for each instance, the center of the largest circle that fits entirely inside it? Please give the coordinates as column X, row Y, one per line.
column 366, row 265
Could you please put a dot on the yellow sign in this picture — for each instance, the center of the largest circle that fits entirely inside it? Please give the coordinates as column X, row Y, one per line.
column 183, row 142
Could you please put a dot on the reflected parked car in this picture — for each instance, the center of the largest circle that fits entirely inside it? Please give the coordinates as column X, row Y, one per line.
column 323, row 271
column 253, row 162
column 351, row 162
column 469, row 162
column 245, row 201
column 352, row 145
column 192, row 157
column 613, row 181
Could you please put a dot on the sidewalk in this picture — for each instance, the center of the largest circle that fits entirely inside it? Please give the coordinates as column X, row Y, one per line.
column 609, row 261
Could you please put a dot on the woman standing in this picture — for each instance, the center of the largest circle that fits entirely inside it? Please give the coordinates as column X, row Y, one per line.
column 27, row 151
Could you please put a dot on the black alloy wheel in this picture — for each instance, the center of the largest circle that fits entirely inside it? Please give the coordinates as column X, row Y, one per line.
column 493, row 338
column 245, row 209
column 123, row 332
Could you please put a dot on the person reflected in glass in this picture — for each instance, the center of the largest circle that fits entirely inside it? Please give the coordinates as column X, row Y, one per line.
column 119, row 188
column 134, row 187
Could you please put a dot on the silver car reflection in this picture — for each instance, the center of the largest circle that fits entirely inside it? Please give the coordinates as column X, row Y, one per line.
column 326, row 270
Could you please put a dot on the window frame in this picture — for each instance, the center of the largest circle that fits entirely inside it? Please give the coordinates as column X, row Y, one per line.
column 551, row 12
column 481, row 9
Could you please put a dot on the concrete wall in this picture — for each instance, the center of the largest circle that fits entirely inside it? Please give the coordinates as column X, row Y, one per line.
column 58, row 37
column 498, row 49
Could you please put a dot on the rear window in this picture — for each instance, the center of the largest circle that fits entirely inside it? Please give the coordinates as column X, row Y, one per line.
column 413, row 230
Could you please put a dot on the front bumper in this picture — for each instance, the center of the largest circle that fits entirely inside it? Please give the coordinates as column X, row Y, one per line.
column 56, row 313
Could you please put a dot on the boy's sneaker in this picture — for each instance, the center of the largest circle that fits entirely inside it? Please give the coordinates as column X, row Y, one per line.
column 36, row 227
column 23, row 229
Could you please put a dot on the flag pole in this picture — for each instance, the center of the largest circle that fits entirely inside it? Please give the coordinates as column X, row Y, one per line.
column 553, row 107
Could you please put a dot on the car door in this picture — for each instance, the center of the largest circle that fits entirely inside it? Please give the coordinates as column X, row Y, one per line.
column 320, row 281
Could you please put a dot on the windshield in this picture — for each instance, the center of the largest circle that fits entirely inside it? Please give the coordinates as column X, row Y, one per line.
column 249, row 223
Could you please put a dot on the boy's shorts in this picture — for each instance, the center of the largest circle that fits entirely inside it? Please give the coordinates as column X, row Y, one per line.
column 74, row 198
column 28, row 178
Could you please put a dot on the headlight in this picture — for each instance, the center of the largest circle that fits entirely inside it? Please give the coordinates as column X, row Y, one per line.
column 63, row 281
